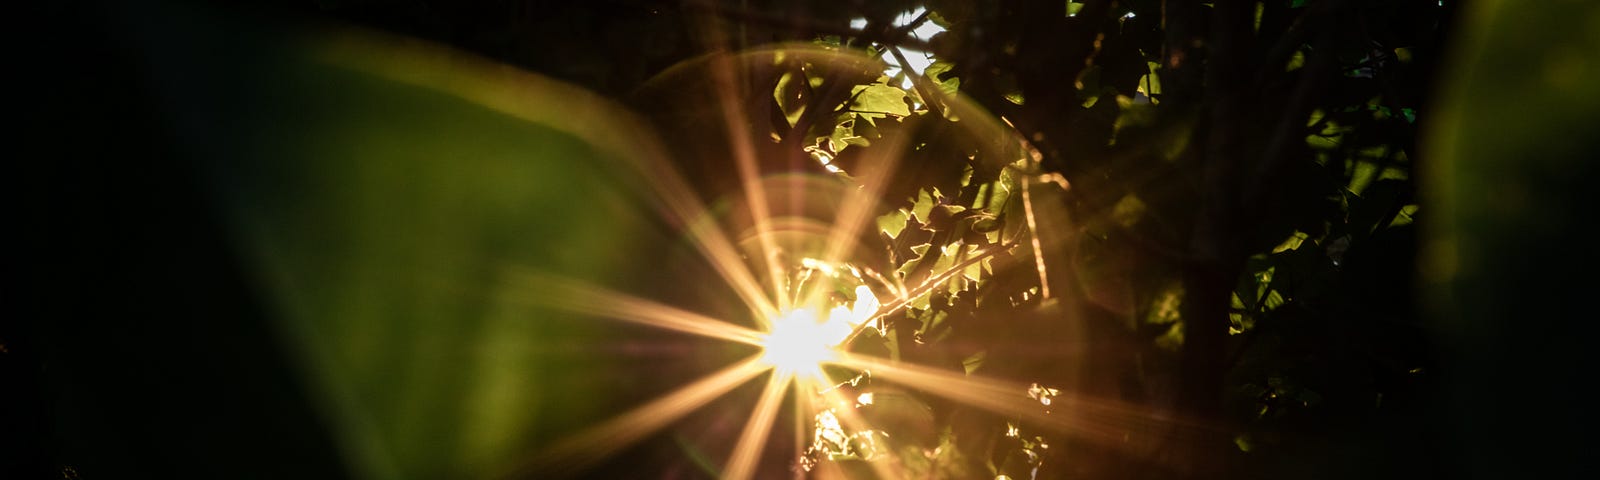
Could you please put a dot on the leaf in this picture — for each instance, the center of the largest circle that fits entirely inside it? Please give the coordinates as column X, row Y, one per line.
column 788, row 94
column 944, row 217
column 937, row 72
column 924, row 205
column 1295, row 62
column 893, row 222
column 986, row 225
column 1291, row 243
column 1150, row 83
column 1273, row 301
column 1172, row 340
column 394, row 221
column 880, row 98
column 1405, row 217
column 1128, row 211
column 844, row 135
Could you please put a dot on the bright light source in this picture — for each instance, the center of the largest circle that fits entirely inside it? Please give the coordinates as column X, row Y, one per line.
column 797, row 342
column 802, row 340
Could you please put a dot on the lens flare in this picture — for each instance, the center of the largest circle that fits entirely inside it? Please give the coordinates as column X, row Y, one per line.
column 795, row 271
column 797, row 342
column 801, row 340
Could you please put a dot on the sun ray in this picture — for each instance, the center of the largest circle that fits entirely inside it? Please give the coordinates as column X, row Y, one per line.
column 598, row 442
column 803, row 411
column 723, row 74
column 852, row 420
column 859, row 203
column 928, row 285
column 1096, row 420
column 577, row 297
column 742, row 463
column 540, row 100
column 708, row 238
column 613, row 131
column 1038, row 250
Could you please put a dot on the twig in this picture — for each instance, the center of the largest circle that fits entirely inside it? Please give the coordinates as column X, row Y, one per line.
column 918, row 81
column 927, row 286
column 896, row 36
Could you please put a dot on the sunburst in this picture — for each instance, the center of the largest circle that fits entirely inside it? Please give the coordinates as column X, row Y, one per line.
column 799, row 331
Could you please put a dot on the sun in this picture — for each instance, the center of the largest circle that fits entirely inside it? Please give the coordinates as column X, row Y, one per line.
column 801, row 340
column 798, row 343
column 802, row 316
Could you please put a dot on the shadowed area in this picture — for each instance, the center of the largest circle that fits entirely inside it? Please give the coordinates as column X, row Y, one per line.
column 381, row 197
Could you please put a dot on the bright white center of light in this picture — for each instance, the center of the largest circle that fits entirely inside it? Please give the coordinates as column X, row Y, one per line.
column 801, row 340
column 797, row 342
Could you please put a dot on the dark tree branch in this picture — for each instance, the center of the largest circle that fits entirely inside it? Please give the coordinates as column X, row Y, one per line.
column 894, row 36
column 918, row 81
column 1215, row 246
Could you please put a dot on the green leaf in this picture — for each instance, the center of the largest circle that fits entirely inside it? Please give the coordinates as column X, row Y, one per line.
column 1405, row 217
column 788, row 94
column 880, row 98
column 1260, row 8
column 1296, row 61
column 1243, row 442
column 1150, row 83
column 1291, row 243
column 937, row 72
column 924, row 205
column 1273, row 301
column 894, row 222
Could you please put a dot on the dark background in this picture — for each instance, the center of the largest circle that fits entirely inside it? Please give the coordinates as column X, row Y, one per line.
column 140, row 350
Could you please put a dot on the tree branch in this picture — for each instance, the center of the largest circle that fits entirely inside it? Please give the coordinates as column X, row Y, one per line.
column 896, row 36
column 917, row 81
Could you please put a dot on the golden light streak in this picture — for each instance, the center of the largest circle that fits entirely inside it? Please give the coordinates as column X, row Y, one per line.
column 742, row 463
column 1101, row 421
column 744, row 155
column 802, row 414
column 725, row 259
column 850, row 419
column 926, row 286
column 600, row 441
column 1033, row 236
column 586, row 299
column 856, row 209
column 621, row 135
column 534, row 98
